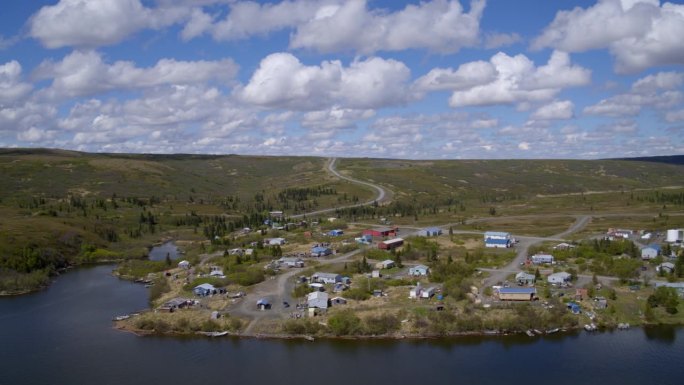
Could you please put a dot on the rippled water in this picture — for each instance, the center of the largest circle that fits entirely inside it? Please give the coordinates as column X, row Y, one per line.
column 64, row 336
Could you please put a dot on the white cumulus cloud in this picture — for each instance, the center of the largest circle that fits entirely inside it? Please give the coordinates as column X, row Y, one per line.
column 561, row 109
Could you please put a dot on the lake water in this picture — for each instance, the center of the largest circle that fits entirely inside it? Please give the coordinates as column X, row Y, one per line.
column 158, row 253
column 64, row 336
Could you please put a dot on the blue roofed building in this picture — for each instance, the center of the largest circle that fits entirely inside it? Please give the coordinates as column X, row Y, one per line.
column 497, row 239
column 204, row 289
column 650, row 252
column 320, row 251
column 335, row 233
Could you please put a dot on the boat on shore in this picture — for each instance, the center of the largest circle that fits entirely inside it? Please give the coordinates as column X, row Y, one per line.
column 530, row 333
column 309, row 338
column 551, row 331
column 122, row 317
column 590, row 327
column 213, row 334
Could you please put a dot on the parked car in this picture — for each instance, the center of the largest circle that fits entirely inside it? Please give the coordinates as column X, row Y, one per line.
column 285, row 304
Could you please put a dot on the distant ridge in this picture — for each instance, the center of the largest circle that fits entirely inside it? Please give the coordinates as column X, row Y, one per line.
column 668, row 159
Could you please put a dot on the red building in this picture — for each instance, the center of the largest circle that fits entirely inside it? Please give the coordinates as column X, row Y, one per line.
column 390, row 244
column 382, row 232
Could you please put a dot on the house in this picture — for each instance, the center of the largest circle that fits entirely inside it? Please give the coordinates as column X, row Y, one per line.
column 517, row 293
column 497, row 239
column 650, row 251
column 679, row 286
column 390, row 244
column 263, row 304
column 338, row 301
column 559, row 278
column 291, row 262
column 524, row 278
column 330, row 278
column 665, row 268
column 675, row 236
column 419, row 270
column 204, row 289
column 317, row 286
column 184, row 264
column 276, row 241
column 430, row 232
column 177, row 303
column 382, row 232
column 619, row 233
column 320, row 251
column 428, row 293
column 386, row 264
column 335, row 233
column 218, row 273
column 317, row 299
column 541, row 259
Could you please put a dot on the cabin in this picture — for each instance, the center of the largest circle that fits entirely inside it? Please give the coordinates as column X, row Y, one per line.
column 318, row 300
column 650, row 252
column 517, row 293
column 320, row 251
column 386, row 264
column 382, row 232
column 390, row 244
column 291, row 262
column 523, row 278
column 329, row 278
column 542, row 259
column 430, row 232
column 204, row 289
column 559, row 278
column 419, row 270
column 497, row 239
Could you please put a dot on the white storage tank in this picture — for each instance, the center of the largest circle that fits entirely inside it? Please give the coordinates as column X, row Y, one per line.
column 675, row 235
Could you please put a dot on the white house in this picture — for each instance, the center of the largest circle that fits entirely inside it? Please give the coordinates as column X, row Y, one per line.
column 428, row 293
column 317, row 299
column 497, row 239
column 559, row 278
column 218, row 273
column 386, row 264
column 330, row 278
column 650, row 252
column 540, row 259
column 419, row 270
column 291, row 262
column 276, row 241
column 665, row 267
column 524, row 278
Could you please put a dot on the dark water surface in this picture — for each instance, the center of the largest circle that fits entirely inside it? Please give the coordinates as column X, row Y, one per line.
column 63, row 336
column 158, row 253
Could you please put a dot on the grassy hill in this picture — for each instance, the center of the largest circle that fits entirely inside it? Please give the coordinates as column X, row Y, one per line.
column 63, row 207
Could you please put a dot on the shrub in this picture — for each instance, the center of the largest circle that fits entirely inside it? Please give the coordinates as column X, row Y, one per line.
column 344, row 323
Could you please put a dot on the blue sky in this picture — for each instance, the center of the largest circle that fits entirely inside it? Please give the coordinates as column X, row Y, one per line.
column 394, row 79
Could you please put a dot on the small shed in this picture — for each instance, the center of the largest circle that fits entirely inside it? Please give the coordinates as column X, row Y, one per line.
column 204, row 289
column 386, row 264
column 263, row 304
column 376, row 274
column 581, row 293
column 184, row 264
column 419, row 270
column 276, row 241
column 574, row 308
column 318, row 300
column 517, row 293
column 218, row 273
column 600, row 303
column 415, row 291
column 430, row 232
